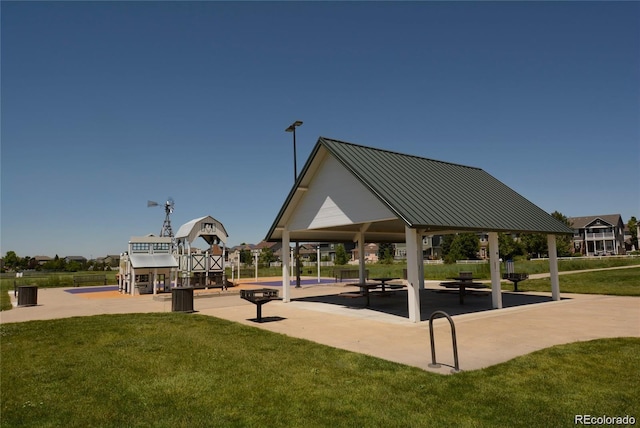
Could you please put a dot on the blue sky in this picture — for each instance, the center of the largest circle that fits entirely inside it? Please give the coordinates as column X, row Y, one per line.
column 106, row 105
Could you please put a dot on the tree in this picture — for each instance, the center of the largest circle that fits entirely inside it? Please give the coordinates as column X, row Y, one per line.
column 445, row 246
column 341, row 255
column 509, row 247
column 266, row 257
column 536, row 243
column 464, row 246
column 245, row 257
column 74, row 266
column 385, row 253
column 11, row 260
column 564, row 243
column 632, row 225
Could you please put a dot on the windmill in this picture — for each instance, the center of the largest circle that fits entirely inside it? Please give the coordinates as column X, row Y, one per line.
column 168, row 209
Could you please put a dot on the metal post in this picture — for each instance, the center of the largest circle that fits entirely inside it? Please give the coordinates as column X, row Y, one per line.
column 297, row 264
column 318, row 259
column 292, row 128
column 295, row 157
column 255, row 260
column 434, row 364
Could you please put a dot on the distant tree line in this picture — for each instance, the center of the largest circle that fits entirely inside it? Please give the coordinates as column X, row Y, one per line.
column 466, row 246
column 12, row 262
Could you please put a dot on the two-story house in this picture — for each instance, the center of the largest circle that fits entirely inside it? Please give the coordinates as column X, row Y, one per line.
column 598, row 235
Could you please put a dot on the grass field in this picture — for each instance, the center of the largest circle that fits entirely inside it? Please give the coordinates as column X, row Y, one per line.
column 171, row 370
column 619, row 282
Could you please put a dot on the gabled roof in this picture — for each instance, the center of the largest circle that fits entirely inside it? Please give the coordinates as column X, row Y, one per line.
column 435, row 196
column 206, row 227
column 582, row 222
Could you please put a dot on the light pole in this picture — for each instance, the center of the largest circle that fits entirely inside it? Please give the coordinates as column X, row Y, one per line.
column 292, row 128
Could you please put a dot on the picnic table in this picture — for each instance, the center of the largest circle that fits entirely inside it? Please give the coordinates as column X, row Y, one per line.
column 366, row 287
column 383, row 283
column 462, row 282
column 364, row 291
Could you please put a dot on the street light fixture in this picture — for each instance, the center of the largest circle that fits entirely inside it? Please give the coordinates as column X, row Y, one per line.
column 292, row 128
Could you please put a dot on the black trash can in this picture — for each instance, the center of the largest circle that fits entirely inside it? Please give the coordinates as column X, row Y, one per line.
column 27, row 295
column 182, row 299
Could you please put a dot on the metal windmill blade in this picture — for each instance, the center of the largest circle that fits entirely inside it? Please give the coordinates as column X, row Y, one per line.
column 166, row 226
column 168, row 206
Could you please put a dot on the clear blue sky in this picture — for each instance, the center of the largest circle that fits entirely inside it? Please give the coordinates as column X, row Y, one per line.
column 106, row 105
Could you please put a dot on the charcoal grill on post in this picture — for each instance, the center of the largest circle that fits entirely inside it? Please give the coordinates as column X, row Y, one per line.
column 515, row 278
column 259, row 297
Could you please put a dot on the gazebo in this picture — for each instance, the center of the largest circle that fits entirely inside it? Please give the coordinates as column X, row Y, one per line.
column 353, row 193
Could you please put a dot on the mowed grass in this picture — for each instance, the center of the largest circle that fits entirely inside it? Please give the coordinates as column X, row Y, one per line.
column 179, row 370
column 617, row 282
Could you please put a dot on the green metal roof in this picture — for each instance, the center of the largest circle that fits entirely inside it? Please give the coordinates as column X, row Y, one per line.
column 435, row 195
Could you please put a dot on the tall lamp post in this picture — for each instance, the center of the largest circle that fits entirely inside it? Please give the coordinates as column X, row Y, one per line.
column 292, row 128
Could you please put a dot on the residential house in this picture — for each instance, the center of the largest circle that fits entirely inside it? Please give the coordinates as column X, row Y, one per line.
column 598, row 235
column 370, row 253
column 109, row 260
column 42, row 259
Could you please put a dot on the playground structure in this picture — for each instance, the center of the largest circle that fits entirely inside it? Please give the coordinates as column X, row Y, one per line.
column 156, row 264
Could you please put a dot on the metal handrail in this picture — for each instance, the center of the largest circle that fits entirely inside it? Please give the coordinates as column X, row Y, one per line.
column 433, row 364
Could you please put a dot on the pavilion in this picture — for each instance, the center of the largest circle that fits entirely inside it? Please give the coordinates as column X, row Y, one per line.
column 352, row 193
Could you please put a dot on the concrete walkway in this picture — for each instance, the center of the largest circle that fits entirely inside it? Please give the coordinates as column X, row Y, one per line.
column 528, row 322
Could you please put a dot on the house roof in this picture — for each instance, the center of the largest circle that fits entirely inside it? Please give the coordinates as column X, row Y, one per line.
column 402, row 190
column 582, row 222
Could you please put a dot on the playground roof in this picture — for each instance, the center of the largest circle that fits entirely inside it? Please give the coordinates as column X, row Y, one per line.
column 153, row 261
column 346, row 188
column 207, row 227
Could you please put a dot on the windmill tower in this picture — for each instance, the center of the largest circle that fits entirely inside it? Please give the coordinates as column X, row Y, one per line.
column 168, row 209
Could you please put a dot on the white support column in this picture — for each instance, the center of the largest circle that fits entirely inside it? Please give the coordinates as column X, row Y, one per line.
column 286, row 282
column 132, row 284
column 413, row 288
column 361, row 265
column 420, row 261
column 494, row 264
column 155, row 281
column 553, row 267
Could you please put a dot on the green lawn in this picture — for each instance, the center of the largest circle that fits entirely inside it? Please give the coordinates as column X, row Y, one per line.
column 178, row 370
column 443, row 271
column 619, row 282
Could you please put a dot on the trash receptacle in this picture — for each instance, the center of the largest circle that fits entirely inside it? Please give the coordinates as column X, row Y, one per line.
column 27, row 295
column 182, row 299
